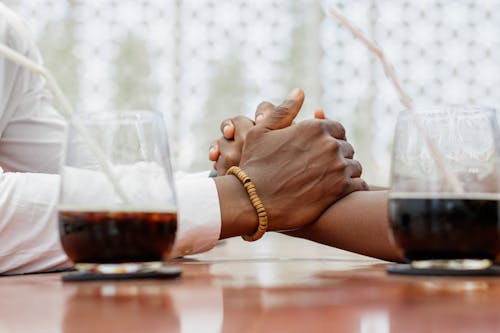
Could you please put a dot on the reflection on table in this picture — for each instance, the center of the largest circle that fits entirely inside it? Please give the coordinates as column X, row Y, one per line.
column 279, row 284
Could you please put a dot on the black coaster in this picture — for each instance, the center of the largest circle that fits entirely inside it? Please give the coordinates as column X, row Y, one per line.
column 407, row 269
column 162, row 273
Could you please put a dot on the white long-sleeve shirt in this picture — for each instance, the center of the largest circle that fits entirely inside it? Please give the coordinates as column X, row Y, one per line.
column 31, row 143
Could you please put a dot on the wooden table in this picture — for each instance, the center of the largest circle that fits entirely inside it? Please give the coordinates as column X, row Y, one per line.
column 278, row 284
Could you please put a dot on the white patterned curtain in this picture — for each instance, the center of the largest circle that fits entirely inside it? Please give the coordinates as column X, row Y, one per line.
column 200, row 61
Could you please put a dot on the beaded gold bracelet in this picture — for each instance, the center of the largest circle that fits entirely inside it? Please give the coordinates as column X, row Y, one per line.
column 255, row 200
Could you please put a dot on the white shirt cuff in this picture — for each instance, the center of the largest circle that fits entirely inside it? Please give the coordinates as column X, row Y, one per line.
column 199, row 220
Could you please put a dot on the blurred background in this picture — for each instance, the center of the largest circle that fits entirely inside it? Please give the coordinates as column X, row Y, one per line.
column 200, row 61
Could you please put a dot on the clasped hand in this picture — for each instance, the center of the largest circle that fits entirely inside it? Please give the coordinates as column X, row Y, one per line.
column 299, row 170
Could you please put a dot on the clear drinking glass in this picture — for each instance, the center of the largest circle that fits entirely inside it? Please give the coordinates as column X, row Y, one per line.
column 433, row 224
column 117, row 206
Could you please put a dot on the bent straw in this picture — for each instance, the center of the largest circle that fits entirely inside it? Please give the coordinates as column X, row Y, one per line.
column 403, row 97
column 66, row 112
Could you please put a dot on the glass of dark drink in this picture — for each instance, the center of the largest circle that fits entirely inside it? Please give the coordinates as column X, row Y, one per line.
column 434, row 224
column 117, row 207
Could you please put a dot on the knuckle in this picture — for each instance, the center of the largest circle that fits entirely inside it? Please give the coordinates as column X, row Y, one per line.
column 334, row 145
column 281, row 110
column 348, row 149
column 359, row 166
column 264, row 105
column 341, row 165
column 317, row 122
column 313, row 126
column 330, row 129
column 304, row 124
column 239, row 119
column 340, row 128
column 344, row 164
column 336, row 129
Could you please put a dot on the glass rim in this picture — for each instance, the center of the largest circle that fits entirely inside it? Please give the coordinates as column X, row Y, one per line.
column 422, row 194
column 119, row 115
column 449, row 109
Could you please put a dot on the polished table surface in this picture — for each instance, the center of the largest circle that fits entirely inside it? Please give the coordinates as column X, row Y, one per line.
column 278, row 284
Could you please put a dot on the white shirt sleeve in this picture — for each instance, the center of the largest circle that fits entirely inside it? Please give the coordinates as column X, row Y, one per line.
column 199, row 218
column 28, row 223
column 31, row 131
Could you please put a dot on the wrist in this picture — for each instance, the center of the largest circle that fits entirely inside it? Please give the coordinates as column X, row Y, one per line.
column 238, row 216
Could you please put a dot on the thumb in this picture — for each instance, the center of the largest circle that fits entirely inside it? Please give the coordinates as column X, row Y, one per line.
column 283, row 115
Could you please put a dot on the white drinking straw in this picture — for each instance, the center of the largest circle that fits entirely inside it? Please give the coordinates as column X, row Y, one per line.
column 403, row 97
column 67, row 112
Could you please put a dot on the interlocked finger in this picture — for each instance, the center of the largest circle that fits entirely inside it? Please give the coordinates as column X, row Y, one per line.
column 355, row 168
column 334, row 128
column 346, row 148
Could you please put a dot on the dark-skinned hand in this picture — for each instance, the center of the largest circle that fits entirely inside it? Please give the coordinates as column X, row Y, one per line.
column 298, row 170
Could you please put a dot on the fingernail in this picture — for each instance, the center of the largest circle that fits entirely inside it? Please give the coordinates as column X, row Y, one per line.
column 294, row 94
column 211, row 148
column 224, row 129
column 259, row 117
